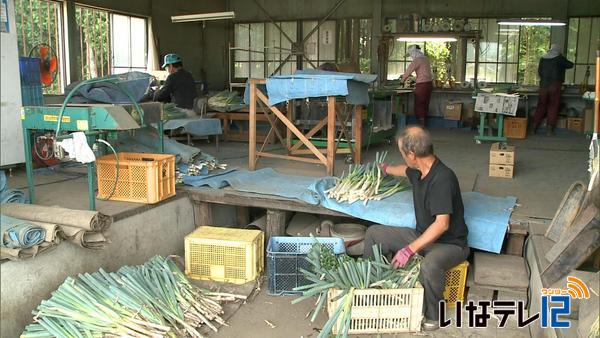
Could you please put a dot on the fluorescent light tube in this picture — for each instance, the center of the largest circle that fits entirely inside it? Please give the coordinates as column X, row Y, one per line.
column 427, row 38
column 524, row 22
column 203, row 17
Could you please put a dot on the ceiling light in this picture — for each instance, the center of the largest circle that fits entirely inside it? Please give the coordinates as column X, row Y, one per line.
column 530, row 22
column 203, row 17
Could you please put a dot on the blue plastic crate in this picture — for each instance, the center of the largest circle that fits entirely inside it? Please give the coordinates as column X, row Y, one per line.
column 29, row 69
column 452, row 124
column 287, row 255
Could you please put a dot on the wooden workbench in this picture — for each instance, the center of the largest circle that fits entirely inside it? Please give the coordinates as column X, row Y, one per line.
column 325, row 156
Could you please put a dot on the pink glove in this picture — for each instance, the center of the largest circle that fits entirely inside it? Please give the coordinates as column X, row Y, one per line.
column 383, row 167
column 402, row 257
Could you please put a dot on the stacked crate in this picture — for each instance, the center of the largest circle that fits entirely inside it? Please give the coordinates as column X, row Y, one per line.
column 502, row 160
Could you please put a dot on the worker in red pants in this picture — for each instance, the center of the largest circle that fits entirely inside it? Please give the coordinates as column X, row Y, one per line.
column 422, row 67
column 551, row 70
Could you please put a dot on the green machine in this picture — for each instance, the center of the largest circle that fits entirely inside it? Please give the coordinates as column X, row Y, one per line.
column 97, row 121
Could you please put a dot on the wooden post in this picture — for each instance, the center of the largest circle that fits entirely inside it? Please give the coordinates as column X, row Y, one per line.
column 276, row 220
column 330, row 135
column 252, row 128
column 290, row 116
column 242, row 216
column 202, row 213
column 357, row 131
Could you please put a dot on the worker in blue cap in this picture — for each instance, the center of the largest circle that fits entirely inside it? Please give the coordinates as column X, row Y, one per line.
column 179, row 87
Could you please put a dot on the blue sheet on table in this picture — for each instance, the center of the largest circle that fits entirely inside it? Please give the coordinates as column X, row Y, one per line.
column 195, row 126
column 486, row 216
column 317, row 83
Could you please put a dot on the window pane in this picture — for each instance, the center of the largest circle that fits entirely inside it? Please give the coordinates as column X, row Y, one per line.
column 572, row 38
column 511, row 73
column 121, row 44
column 257, row 41
column 570, row 75
column 470, row 72
column 364, row 51
column 533, row 44
column 257, row 70
column 395, row 70
column 583, row 47
column 138, row 42
column 242, row 40
column 241, row 69
column 595, row 36
column 44, row 27
column 580, row 73
column 312, row 42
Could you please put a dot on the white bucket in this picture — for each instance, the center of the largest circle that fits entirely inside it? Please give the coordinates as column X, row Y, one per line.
column 353, row 235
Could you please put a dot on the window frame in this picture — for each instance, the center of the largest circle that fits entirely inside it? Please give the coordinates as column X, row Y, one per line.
column 571, row 74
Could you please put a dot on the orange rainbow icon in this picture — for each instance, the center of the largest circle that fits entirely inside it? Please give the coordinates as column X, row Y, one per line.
column 577, row 288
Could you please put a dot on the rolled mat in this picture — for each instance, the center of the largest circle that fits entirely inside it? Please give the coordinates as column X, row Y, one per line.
column 85, row 239
column 20, row 254
column 83, row 219
column 20, row 234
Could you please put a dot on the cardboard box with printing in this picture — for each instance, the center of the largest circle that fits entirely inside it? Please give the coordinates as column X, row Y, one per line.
column 502, row 154
column 453, row 110
column 501, row 170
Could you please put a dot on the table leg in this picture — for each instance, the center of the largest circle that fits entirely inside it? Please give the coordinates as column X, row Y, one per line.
column 330, row 135
column 203, row 214
column 276, row 220
column 357, row 130
column 252, row 128
column 29, row 164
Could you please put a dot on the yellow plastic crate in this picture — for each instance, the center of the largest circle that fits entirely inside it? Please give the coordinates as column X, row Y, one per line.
column 224, row 254
column 142, row 178
column 376, row 311
column 456, row 279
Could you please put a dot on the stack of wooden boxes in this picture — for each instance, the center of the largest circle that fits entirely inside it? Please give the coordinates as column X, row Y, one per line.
column 502, row 160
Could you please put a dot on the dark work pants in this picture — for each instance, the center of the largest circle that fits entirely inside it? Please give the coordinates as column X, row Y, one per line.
column 438, row 258
column 422, row 97
column 548, row 105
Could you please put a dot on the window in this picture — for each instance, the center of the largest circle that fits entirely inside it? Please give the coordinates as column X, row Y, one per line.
column 582, row 35
column 507, row 53
column 129, row 41
column 320, row 45
column 437, row 52
column 40, row 21
column 249, row 52
column 279, row 47
column 354, row 44
column 110, row 43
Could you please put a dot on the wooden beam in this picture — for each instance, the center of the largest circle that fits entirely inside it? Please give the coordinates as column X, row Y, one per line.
column 311, row 133
column 330, row 135
column 357, row 131
column 252, row 127
column 292, row 127
column 288, row 157
column 232, row 197
column 322, row 150
column 291, row 106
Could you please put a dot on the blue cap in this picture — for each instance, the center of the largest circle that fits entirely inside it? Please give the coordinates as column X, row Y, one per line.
column 171, row 59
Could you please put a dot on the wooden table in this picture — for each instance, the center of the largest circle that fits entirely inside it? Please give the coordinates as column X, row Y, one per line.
column 242, row 135
column 277, row 207
column 325, row 156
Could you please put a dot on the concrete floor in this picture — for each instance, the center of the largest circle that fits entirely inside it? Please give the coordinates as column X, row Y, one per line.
column 546, row 167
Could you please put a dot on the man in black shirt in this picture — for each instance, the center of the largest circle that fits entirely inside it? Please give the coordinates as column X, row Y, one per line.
column 441, row 233
column 179, row 87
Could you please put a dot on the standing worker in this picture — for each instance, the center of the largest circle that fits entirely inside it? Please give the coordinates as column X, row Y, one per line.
column 551, row 71
column 179, row 87
column 422, row 67
column 441, row 232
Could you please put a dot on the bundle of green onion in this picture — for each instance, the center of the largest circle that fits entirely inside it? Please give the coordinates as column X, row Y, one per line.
column 365, row 183
column 150, row 300
column 347, row 274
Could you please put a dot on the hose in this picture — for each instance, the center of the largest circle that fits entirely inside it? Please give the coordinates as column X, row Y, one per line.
column 114, row 189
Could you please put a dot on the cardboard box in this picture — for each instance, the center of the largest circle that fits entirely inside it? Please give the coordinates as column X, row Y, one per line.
column 504, row 155
column 501, row 170
column 575, row 124
column 453, row 110
column 506, row 104
column 561, row 123
column 588, row 120
column 515, row 127
column 468, row 112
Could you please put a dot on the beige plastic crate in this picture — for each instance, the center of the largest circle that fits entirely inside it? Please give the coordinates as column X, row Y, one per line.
column 377, row 311
column 224, row 254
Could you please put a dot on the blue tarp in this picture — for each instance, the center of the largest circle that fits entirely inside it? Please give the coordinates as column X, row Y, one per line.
column 135, row 83
column 145, row 140
column 20, row 234
column 317, row 83
column 486, row 216
column 10, row 195
column 195, row 126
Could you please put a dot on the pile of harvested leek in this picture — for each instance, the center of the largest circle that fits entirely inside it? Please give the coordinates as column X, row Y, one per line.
column 347, row 274
column 150, row 300
column 365, row 183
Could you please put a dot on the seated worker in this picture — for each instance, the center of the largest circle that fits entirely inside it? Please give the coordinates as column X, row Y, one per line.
column 328, row 66
column 179, row 87
column 441, row 233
